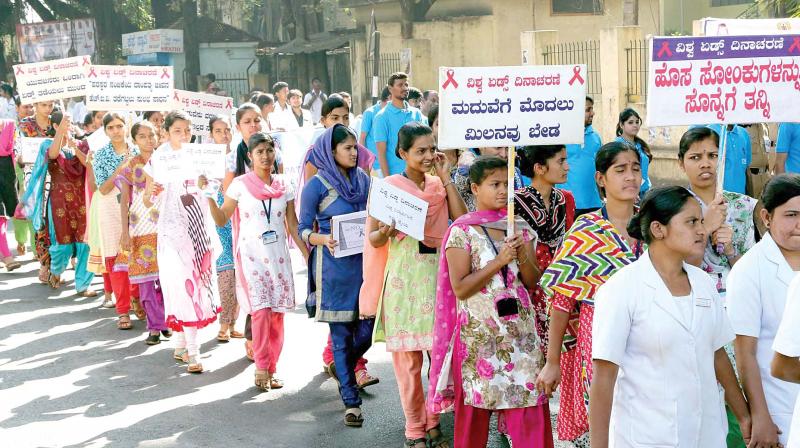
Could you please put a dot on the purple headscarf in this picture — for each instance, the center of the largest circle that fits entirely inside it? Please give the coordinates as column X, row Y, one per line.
column 354, row 190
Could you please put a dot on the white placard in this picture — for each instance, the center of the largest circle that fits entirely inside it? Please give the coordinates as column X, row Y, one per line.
column 97, row 140
column 152, row 41
column 208, row 159
column 200, row 107
column 52, row 80
column 388, row 203
column 170, row 166
column 129, row 87
column 511, row 106
column 349, row 231
column 724, row 79
column 28, row 148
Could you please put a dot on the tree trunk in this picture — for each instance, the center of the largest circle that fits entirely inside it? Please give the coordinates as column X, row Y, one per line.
column 191, row 43
column 630, row 12
column 163, row 16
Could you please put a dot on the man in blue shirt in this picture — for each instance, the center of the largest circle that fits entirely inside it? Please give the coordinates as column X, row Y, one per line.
column 367, row 137
column 738, row 155
column 580, row 179
column 788, row 148
column 389, row 120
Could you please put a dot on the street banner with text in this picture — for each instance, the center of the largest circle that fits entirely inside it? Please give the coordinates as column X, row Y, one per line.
column 129, row 87
column 52, row 80
column 200, row 107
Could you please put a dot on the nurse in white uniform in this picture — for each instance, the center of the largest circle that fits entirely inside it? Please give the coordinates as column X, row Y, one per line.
column 786, row 363
column 756, row 299
column 659, row 330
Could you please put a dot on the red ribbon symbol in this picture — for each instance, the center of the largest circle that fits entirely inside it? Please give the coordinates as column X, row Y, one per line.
column 164, row 73
column 450, row 80
column 229, row 105
column 20, row 71
column 91, row 74
column 576, row 75
column 86, row 61
column 795, row 45
column 664, row 49
column 175, row 97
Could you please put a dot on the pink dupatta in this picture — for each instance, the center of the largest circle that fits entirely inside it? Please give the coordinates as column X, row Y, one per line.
column 375, row 258
column 261, row 191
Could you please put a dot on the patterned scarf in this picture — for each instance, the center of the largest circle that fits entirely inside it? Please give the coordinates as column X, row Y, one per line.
column 550, row 224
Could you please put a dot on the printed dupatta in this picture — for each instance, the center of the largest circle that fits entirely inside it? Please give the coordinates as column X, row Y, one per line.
column 441, row 392
column 593, row 250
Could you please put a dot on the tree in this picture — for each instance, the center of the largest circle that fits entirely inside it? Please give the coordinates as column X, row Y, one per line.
column 191, row 42
column 412, row 11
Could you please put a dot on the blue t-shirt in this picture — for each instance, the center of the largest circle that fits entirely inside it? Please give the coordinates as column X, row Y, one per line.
column 386, row 125
column 367, row 122
column 789, row 143
column 738, row 156
column 645, row 162
column 580, row 179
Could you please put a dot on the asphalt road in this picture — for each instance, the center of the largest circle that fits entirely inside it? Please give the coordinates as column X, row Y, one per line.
column 69, row 378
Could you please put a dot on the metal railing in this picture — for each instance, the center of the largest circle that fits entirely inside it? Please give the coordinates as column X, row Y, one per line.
column 636, row 62
column 583, row 52
column 389, row 63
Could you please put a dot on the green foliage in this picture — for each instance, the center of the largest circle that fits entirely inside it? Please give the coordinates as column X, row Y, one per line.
column 137, row 11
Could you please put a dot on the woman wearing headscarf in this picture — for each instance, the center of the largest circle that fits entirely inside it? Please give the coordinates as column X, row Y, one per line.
column 339, row 187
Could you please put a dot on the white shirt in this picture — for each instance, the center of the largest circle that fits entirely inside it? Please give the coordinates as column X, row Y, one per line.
column 316, row 106
column 8, row 109
column 78, row 111
column 787, row 343
column 292, row 120
column 666, row 393
column 280, row 117
column 756, row 300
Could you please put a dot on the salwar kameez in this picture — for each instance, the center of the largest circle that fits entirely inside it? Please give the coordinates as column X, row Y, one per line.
column 28, row 127
column 226, row 277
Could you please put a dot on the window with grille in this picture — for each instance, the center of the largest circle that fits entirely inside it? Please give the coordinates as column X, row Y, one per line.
column 730, row 2
column 576, row 7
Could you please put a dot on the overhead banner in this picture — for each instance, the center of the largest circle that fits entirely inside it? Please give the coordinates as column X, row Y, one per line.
column 46, row 81
column 129, row 87
column 511, row 106
column 152, row 41
column 201, row 107
column 47, row 41
column 724, row 79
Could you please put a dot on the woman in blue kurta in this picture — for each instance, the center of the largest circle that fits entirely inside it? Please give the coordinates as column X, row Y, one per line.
column 627, row 127
column 339, row 187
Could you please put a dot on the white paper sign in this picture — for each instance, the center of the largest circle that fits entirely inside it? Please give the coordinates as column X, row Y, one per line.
column 170, row 166
column 29, row 148
column 349, row 231
column 152, row 41
column 388, row 203
column 200, row 107
column 97, row 140
column 207, row 159
column 511, row 106
column 51, row 80
column 724, row 79
column 129, row 87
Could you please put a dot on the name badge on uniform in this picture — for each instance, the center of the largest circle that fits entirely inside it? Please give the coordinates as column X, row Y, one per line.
column 269, row 237
column 705, row 303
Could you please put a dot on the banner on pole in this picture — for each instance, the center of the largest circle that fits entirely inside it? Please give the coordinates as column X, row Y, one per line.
column 152, row 41
column 511, row 106
column 201, row 107
column 52, row 80
column 724, row 79
column 129, row 87
column 47, row 41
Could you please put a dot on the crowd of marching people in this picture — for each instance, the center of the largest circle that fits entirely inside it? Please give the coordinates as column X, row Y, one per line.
column 656, row 313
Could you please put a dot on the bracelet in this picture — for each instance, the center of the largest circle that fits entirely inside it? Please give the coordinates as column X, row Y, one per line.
column 523, row 262
column 448, row 184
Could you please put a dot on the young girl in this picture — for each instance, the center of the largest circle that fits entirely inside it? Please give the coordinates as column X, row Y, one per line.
column 139, row 218
column 570, row 283
column 226, row 279
column 108, row 163
column 483, row 296
column 661, row 326
column 756, row 302
column 549, row 211
column 263, row 203
column 627, row 127
column 187, row 244
column 338, row 188
column 407, row 267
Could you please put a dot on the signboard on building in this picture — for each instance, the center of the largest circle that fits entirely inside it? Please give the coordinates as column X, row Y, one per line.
column 746, row 27
column 46, row 41
column 511, row 106
column 152, row 41
column 723, row 79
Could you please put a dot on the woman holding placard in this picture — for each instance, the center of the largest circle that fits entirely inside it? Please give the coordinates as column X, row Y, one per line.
column 339, row 187
column 107, row 164
column 139, row 219
column 262, row 206
column 404, row 309
column 187, row 246
column 226, row 278
column 571, row 282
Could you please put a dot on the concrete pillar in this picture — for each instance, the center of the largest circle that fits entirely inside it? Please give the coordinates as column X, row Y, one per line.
column 533, row 44
column 361, row 85
column 614, row 77
column 423, row 72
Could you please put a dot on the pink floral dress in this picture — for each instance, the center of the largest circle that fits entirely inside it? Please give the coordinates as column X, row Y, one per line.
column 267, row 267
column 501, row 355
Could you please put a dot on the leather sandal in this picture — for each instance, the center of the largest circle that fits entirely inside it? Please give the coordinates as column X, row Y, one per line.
column 415, row 443
column 87, row 293
column 248, row 350
column 275, row 383
column 436, row 438
column 181, row 354
column 194, row 366
column 124, row 322
column 236, row 335
column 262, row 380
column 136, row 306
column 353, row 417
column 222, row 336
